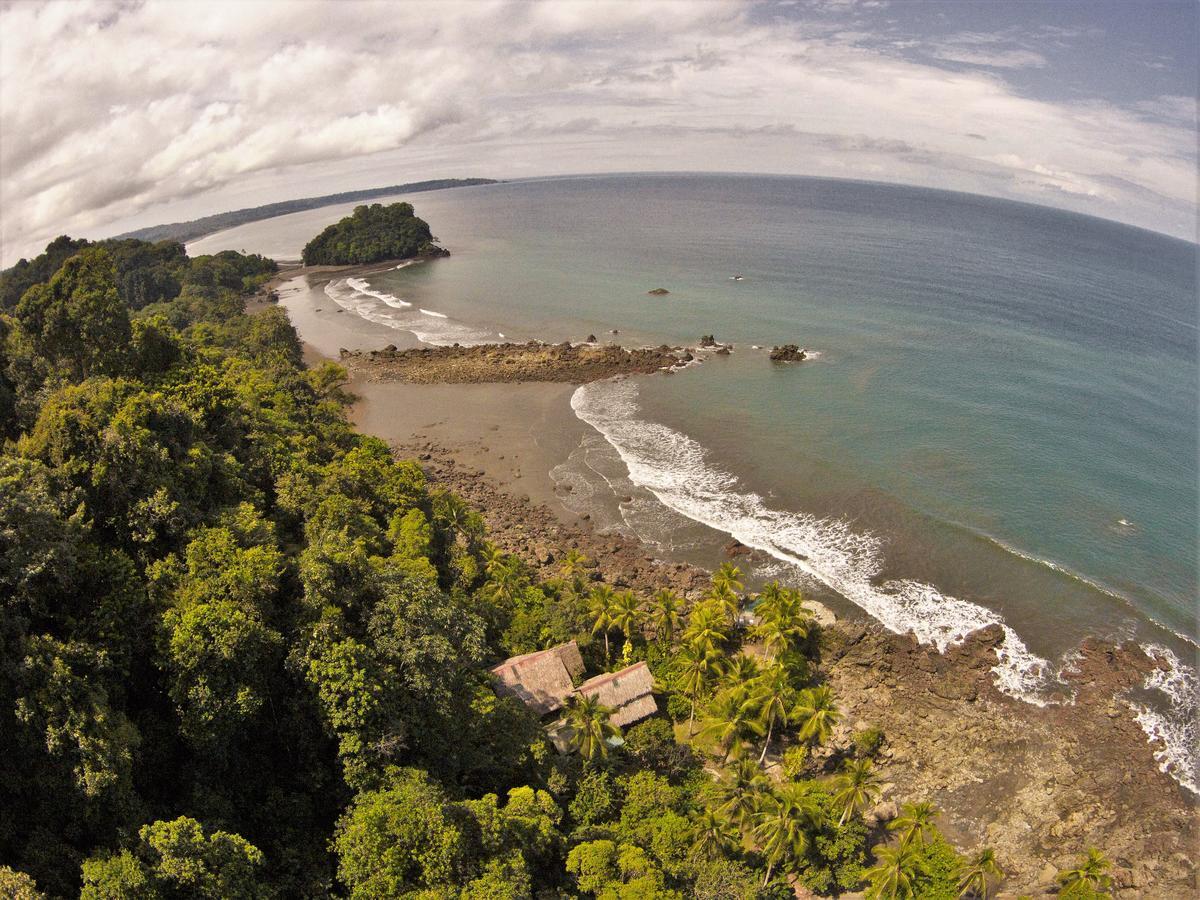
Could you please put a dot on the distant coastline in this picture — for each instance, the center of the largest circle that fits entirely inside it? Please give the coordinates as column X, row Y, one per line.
column 206, row 225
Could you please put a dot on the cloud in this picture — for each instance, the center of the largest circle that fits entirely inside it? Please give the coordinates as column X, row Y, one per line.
column 115, row 114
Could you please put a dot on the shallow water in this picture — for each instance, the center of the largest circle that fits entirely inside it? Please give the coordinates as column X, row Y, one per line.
column 1001, row 424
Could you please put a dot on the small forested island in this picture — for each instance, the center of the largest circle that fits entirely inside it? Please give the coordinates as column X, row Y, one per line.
column 372, row 234
column 248, row 652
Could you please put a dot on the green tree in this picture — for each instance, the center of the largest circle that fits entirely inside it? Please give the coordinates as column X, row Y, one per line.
column 915, row 824
column 771, row 698
column 1090, row 875
column 857, row 787
column 713, row 833
column 626, row 615
column 979, row 873
column 782, row 619
column 18, row 886
column 816, row 714
column 730, row 720
column 665, row 607
column 741, row 790
column 706, row 628
column 782, row 828
column 895, row 873
column 590, row 727
column 603, row 603
column 77, row 321
column 695, row 667
column 726, row 578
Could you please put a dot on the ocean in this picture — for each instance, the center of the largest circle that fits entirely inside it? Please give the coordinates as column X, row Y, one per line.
column 997, row 422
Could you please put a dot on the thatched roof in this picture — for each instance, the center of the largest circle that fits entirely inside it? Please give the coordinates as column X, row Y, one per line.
column 628, row 693
column 541, row 679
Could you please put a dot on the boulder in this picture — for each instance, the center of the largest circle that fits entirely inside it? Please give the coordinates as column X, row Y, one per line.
column 788, row 353
column 658, row 292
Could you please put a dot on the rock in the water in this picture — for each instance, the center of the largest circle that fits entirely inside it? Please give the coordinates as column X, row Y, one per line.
column 658, row 292
column 591, row 339
column 788, row 353
column 708, row 340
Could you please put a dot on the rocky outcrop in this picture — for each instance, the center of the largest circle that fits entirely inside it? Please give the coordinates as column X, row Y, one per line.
column 533, row 361
column 788, row 353
column 658, row 292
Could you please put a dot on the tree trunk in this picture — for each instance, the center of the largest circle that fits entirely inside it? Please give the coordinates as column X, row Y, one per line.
column 767, row 880
column 606, row 654
column 767, row 742
column 692, row 718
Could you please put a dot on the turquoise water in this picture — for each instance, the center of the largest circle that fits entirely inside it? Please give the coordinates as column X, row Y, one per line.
column 1000, row 423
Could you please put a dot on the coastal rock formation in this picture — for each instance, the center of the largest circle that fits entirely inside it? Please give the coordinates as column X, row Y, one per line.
column 788, row 353
column 533, row 361
column 658, row 292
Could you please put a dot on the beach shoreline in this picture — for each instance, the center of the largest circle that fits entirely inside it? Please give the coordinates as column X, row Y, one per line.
column 1040, row 783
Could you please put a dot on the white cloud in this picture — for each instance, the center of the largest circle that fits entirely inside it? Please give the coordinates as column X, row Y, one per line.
column 116, row 114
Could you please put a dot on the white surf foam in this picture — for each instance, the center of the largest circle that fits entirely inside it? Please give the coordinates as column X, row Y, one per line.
column 1174, row 729
column 436, row 315
column 357, row 296
column 364, row 287
column 674, row 468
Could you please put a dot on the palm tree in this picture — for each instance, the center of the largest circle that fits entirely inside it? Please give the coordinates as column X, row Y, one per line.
column 590, row 727
column 695, row 667
column 664, row 614
column 626, row 613
column 729, row 719
column 976, row 875
column 742, row 790
column 727, row 577
column 782, row 828
column 771, row 696
column 782, row 618
column 857, row 787
column 740, row 671
column 915, row 823
column 572, row 565
column 894, row 873
column 603, row 603
column 1090, row 873
column 706, row 626
column 506, row 581
column 816, row 713
column 727, row 601
column 712, row 833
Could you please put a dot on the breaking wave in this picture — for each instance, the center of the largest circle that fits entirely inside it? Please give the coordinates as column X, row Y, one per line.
column 357, row 296
column 1174, row 730
column 674, row 468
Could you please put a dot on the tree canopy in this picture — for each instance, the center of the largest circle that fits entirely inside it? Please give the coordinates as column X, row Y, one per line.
column 372, row 233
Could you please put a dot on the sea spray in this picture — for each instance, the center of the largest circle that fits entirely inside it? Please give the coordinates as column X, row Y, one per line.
column 674, row 468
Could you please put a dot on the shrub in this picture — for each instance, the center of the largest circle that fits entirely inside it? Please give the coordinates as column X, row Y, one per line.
column 794, row 760
column 868, row 741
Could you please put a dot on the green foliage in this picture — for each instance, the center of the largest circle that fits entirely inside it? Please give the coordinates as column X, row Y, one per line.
column 868, row 741
column 372, row 233
column 18, row 886
column 177, row 859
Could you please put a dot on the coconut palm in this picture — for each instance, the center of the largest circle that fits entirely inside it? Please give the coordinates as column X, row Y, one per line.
column 664, row 614
column 1090, row 873
column 895, row 872
column 856, row 788
column 603, row 604
column 707, row 627
column 816, row 714
column 572, row 565
column 729, row 720
column 506, row 581
column 695, row 667
column 915, row 823
column 978, row 873
column 626, row 615
column 727, row 577
column 741, row 791
column 727, row 601
column 712, row 833
column 590, row 727
column 771, row 698
column 782, row 828
column 782, row 619
column 740, row 671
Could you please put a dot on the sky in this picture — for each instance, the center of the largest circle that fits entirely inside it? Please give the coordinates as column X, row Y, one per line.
column 116, row 114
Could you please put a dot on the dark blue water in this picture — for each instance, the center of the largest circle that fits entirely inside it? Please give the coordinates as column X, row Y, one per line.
column 1000, row 423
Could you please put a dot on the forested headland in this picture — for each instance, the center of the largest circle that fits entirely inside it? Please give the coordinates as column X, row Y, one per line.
column 195, row 228
column 244, row 651
column 371, row 234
